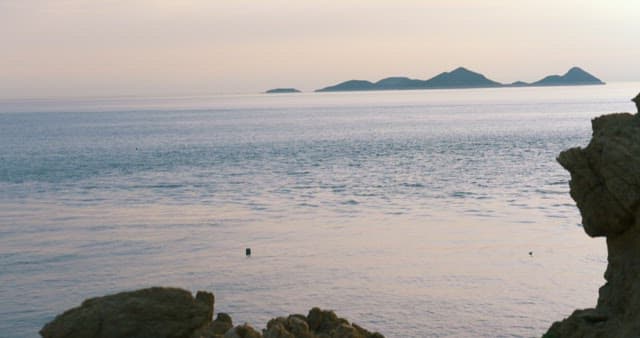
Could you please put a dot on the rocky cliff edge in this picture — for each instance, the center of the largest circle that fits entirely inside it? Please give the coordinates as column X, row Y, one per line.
column 605, row 183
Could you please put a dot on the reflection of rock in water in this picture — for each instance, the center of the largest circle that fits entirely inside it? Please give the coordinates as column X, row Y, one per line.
column 175, row 313
column 605, row 183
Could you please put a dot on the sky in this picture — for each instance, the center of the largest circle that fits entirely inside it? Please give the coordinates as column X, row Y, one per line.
column 77, row 48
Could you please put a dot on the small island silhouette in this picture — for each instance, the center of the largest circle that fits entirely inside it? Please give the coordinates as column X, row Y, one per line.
column 282, row 91
column 463, row 78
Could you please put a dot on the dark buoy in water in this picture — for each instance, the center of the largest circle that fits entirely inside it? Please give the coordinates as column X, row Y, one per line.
column 530, row 253
column 247, row 252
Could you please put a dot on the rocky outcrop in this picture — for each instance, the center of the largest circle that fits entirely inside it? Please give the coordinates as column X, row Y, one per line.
column 175, row 313
column 215, row 329
column 605, row 183
column 153, row 312
column 317, row 324
column 242, row 331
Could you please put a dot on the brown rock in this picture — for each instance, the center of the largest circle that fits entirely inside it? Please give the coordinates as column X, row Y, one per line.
column 328, row 324
column 217, row 328
column 243, row 331
column 295, row 326
column 323, row 321
column 174, row 313
column 317, row 324
column 276, row 328
column 605, row 183
column 222, row 324
column 298, row 326
column 153, row 312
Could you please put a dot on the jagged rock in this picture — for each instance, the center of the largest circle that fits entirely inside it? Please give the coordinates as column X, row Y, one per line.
column 217, row 328
column 295, row 326
column 317, row 324
column 276, row 328
column 153, row 312
column 637, row 101
column 222, row 324
column 243, row 331
column 323, row 321
column 605, row 183
column 175, row 313
column 328, row 324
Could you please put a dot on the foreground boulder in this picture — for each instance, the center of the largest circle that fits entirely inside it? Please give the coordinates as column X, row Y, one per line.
column 154, row 312
column 605, row 183
column 175, row 313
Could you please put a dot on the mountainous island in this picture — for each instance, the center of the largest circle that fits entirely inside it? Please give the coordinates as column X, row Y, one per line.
column 282, row 91
column 463, row 78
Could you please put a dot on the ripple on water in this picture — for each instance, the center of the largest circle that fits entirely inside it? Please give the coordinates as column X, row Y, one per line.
column 341, row 201
column 413, row 185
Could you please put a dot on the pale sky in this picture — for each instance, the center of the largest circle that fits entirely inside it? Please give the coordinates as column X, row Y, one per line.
column 66, row 48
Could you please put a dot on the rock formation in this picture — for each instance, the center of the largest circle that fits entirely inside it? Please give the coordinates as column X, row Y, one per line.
column 153, row 312
column 175, row 313
column 637, row 102
column 217, row 328
column 317, row 324
column 605, row 183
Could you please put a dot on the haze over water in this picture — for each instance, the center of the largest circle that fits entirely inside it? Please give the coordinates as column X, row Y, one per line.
column 412, row 213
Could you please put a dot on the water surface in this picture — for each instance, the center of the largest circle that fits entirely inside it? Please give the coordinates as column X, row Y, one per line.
column 412, row 213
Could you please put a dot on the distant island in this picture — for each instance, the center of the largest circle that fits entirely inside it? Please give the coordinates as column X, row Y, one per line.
column 463, row 78
column 282, row 90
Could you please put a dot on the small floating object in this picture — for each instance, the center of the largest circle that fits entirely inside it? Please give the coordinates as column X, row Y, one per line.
column 530, row 253
column 247, row 252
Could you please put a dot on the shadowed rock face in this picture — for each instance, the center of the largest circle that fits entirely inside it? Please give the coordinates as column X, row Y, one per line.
column 605, row 183
column 605, row 176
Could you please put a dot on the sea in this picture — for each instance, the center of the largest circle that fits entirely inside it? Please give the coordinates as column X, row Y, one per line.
column 426, row 213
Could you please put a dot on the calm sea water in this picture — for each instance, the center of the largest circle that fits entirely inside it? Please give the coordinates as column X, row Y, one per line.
column 412, row 213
